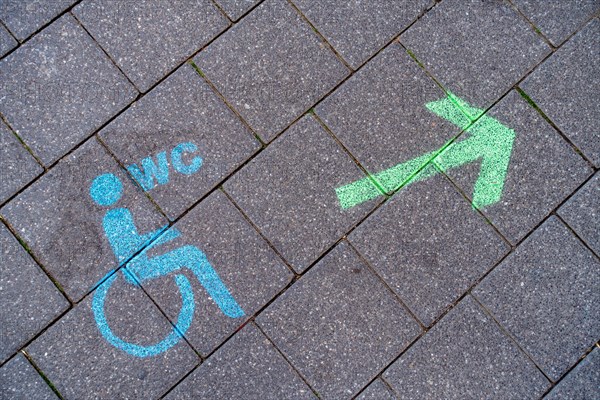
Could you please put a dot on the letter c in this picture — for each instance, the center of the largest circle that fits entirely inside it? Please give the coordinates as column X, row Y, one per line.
column 178, row 164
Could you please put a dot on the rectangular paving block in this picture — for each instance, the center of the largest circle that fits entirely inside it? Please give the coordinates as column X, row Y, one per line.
column 566, row 88
column 7, row 41
column 339, row 325
column 24, row 17
column 271, row 67
column 114, row 344
column 236, row 8
column 59, row 88
column 61, row 223
column 19, row 380
column 582, row 383
column 251, row 271
column 466, row 355
column 546, row 296
column 358, row 29
column 246, row 367
column 476, row 49
column 288, row 191
column 377, row 391
column 429, row 245
column 149, row 38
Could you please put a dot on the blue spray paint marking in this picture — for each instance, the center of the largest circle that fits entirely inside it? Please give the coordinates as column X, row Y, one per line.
column 178, row 164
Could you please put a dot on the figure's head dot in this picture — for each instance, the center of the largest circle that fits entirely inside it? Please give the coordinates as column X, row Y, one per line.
column 106, row 189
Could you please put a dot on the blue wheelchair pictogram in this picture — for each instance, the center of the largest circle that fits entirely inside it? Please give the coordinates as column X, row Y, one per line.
column 121, row 232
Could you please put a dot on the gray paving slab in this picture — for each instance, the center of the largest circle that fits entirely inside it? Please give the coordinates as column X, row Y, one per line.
column 17, row 165
column 59, row 221
column 545, row 294
column 24, row 17
column 149, row 38
column 476, row 49
column 236, row 8
column 182, row 109
column 582, row 213
column 20, row 381
column 566, row 87
column 358, row 29
column 582, row 383
column 377, row 391
column 556, row 19
column 7, row 41
column 81, row 363
column 30, row 301
column 288, row 192
column 543, row 170
column 429, row 245
column 465, row 355
column 246, row 367
column 271, row 67
column 249, row 268
column 59, row 88
column 339, row 325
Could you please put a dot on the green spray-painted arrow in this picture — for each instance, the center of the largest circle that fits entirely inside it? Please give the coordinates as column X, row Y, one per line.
column 487, row 140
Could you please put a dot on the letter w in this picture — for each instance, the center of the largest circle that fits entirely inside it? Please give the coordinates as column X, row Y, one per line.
column 146, row 177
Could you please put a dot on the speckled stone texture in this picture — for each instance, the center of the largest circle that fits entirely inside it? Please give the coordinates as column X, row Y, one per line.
column 24, row 17
column 567, row 89
column 149, row 38
column 62, row 225
column 20, row 381
column 465, row 355
column 7, row 41
column 59, row 88
column 546, row 295
column 271, row 67
column 339, row 325
column 582, row 383
column 477, row 49
column 246, row 367
column 377, row 391
column 236, row 8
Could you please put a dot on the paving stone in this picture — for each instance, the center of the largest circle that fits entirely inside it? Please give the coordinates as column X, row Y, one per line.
column 250, row 269
column 429, row 245
column 288, row 192
column 465, row 355
column 582, row 213
column 182, row 109
column 236, row 8
column 358, row 29
column 339, row 325
column 543, row 170
column 271, row 67
column 7, row 42
column 59, row 88
column 29, row 299
column 377, row 391
column 75, row 356
column 17, row 165
column 246, row 367
column 557, row 19
column 545, row 294
column 20, row 381
column 582, row 383
column 476, row 49
column 147, row 39
column 62, row 225
column 24, row 17
column 566, row 88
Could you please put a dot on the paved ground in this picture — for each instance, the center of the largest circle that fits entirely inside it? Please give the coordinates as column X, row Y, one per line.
column 179, row 218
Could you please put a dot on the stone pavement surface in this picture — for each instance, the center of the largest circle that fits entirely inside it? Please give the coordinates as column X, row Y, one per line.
column 173, row 222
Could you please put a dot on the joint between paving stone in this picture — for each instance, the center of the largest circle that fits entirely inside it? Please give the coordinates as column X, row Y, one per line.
column 37, row 159
column 41, row 373
column 533, row 26
column 557, row 215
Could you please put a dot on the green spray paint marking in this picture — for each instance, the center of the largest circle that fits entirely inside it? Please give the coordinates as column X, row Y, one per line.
column 486, row 139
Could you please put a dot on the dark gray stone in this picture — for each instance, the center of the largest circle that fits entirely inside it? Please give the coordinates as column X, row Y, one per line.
column 476, row 49
column 81, row 363
column 566, row 87
column 246, row 367
column 558, row 19
column 7, row 41
column 358, row 29
column 149, row 38
column 252, row 272
column 20, row 381
column 377, row 391
column 429, row 245
column 546, row 295
column 24, row 17
column 339, row 325
column 582, row 213
column 17, row 165
column 543, row 170
column 236, row 8
column 59, row 88
column 583, row 383
column 181, row 109
column 62, row 225
column 271, row 67
column 29, row 299
column 465, row 355
column 288, row 191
